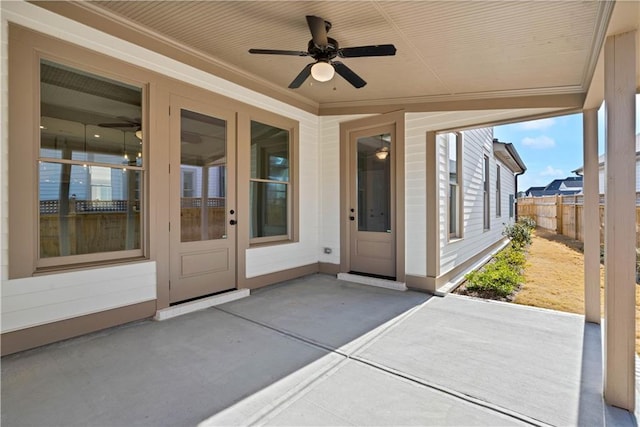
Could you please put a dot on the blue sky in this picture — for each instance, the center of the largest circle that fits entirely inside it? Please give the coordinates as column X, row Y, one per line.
column 551, row 148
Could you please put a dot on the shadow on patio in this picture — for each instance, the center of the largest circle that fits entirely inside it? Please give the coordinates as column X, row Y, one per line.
column 321, row 351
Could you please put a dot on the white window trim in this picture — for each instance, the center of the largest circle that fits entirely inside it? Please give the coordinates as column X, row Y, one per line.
column 459, row 234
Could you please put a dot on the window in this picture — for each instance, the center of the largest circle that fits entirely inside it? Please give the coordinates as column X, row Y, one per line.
column 485, row 199
column 454, row 151
column 270, row 190
column 498, row 193
column 511, row 205
column 90, row 167
column 188, row 179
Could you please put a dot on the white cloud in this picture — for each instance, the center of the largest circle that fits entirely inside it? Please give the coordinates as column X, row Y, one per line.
column 551, row 171
column 538, row 124
column 540, row 142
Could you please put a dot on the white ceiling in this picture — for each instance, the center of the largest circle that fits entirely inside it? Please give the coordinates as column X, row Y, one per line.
column 446, row 50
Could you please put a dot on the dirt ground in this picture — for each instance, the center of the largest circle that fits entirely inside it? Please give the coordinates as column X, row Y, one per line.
column 554, row 277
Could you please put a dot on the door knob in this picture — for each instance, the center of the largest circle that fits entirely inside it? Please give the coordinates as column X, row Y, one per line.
column 352, row 218
column 232, row 222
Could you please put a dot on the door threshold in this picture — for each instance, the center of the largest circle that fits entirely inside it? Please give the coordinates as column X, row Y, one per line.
column 373, row 281
column 200, row 304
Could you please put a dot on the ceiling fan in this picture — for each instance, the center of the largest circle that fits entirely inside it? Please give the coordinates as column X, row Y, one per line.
column 324, row 49
column 186, row 136
column 126, row 123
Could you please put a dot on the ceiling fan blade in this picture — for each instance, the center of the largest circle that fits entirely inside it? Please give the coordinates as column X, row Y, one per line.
column 118, row 125
column 318, row 29
column 278, row 52
column 304, row 74
column 373, row 50
column 349, row 75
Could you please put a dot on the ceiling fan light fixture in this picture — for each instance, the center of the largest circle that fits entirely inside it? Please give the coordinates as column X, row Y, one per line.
column 382, row 153
column 139, row 134
column 322, row 71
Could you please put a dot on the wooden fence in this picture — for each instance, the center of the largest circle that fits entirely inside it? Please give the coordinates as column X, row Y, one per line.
column 563, row 214
column 90, row 226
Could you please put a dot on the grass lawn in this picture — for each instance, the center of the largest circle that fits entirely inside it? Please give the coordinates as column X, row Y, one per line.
column 554, row 277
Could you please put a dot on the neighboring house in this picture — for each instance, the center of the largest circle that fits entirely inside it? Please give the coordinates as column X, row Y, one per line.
column 601, row 171
column 150, row 107
column 533, row 191
column 564, row 186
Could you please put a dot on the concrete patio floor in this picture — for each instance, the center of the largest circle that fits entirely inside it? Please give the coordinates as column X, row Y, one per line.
column 319, row 351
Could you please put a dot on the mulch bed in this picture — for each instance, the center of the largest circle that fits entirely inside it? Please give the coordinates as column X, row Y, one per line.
column 462, row 290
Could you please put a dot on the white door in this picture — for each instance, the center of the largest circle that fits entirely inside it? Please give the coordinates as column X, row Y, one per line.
column 202, row 188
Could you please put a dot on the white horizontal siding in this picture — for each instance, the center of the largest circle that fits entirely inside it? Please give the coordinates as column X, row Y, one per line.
column 602, row 180
column 39, row 300
column 508, row 188
column 329, row 159
column 415, row 194
column 476, row 144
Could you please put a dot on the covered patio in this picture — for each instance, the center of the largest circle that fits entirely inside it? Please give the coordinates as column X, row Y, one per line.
column 314, row 350
column 317, row 350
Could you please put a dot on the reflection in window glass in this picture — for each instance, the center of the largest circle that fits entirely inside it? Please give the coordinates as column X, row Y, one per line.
column 86, row 210
column 269, row 183
column 268, row 203
column 203, row 159
column 374, row 183
column 90, row 167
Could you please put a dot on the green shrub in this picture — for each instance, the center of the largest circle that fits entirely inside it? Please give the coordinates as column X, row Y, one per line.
column 527, row 222
column 496, row 277
column 503, row 275
column 512, row 256
column 520, row 232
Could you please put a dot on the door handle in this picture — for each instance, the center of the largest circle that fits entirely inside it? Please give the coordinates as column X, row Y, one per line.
column 232, row 222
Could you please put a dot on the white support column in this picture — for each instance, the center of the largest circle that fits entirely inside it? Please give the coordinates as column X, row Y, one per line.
column 591, row 217
column 620, row 230
column 433, row 213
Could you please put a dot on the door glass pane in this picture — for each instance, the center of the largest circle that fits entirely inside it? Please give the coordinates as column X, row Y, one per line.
column 203, row 175
column 374, row 183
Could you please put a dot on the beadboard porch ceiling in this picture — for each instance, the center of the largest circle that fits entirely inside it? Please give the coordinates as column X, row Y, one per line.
column 449, row 54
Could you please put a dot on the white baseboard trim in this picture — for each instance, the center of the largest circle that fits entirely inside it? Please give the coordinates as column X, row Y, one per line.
column 201, row 304
column 373, row 281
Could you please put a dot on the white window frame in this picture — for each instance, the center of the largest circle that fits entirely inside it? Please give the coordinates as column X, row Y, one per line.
column 498, row 192
column 457, row 198
column 486, row 190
